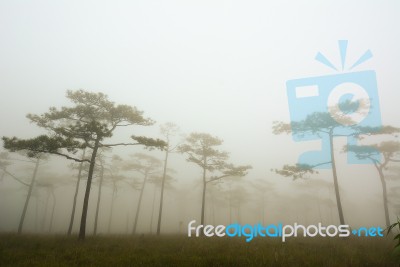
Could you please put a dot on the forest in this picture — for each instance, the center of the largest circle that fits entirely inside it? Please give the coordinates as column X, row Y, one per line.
column 199, row 133
column 104, row 193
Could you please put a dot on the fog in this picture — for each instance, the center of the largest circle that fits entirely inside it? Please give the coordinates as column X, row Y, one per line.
column 216, row 67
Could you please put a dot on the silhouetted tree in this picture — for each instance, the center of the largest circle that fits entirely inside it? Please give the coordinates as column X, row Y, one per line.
column 167, row 130
column 92, row 120
column 114, row 179
column 28, row 196
column 159, row 182
column 390, row 150
column 101, row 166
column 324, row 124
column 146, row 165
column 200, row 149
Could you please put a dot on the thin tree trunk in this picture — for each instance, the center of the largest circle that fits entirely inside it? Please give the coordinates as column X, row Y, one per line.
column 45, row 212
column 212, row 208
column 330, row 206
column 82, row 230
column 152, row 209
column 98, row 199
column 52, row 211
column 384, row 194
column 335, row 181
column 263, row 209
column 139, row 203
column 203, row 201
column 162, row 191
column 71, row 222
column 238, row 213
column 319, row 210
column 112, row 208
column 230, row 204
column 127, row 223
column 28, row 197
column 36, row 211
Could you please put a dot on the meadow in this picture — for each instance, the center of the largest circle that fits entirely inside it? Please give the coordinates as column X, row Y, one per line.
column 179, row 250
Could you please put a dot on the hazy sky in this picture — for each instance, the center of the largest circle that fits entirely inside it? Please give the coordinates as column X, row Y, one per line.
column 210, row 66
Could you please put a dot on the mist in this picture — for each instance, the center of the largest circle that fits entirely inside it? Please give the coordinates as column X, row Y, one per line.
column 213, row 67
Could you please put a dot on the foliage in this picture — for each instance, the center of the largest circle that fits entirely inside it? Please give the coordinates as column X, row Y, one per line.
column 296, row 171
column 391, row 228
column 92, row 118
column 200, row 149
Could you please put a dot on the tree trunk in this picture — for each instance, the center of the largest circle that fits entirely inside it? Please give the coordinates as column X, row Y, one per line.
column 45, row 212
column 385, row 199
column 127, row 223
column 263, row 208
column 319, row 211
column 239, row 213
column 28, row 197
column 203, row 201
column 98, row 199
column 52, row 211
column 152, row 209
column 162, row 191
column 230, row 204
column 112, row 208
column 71, row 222
column 36, row 211
column 82, row 230
column 335, row 181
column 212, row 208
column 139, row 203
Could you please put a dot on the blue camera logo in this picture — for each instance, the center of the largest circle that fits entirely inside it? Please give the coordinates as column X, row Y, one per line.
column 324, row 107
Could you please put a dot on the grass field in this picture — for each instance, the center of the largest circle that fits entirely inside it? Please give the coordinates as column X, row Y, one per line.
column 175, row 250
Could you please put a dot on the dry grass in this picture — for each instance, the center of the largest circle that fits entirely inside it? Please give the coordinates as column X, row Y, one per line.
column 174, row 250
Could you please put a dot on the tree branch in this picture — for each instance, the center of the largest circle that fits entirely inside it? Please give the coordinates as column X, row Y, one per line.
column 15, row 178
column 120, row 144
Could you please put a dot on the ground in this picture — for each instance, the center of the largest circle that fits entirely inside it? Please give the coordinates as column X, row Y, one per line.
column 175, row 250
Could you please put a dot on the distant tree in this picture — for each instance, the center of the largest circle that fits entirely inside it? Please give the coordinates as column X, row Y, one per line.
column 159, row 182
column 92, row 120
column 81, row 168
column 264, row 190
column 310, row 189
column 101, row 165
column 28, row 196
column 390, row 150
column 49, row 182
column 147, row 166
column 167, row 130
column 5, row 162
column 201, row 150
column 115, row 178
column 239, row 195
